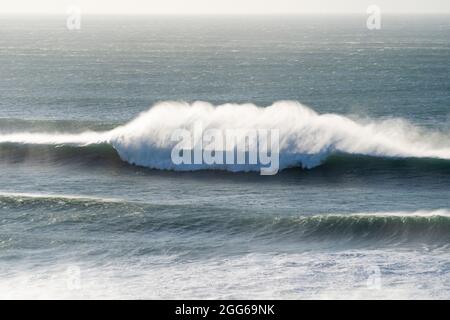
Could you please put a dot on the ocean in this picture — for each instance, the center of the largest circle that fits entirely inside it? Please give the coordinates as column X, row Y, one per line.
column 91, row 205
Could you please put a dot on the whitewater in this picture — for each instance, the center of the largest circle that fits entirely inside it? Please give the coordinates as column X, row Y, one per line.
column 307, row 138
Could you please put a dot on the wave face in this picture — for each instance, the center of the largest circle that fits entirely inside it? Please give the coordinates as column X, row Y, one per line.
column 307, row 138
column 378, row 228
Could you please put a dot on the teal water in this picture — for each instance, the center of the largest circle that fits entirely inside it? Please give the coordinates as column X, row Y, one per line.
column 376, row 204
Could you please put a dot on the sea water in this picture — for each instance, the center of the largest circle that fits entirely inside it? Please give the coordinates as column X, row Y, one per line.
column 92, row 205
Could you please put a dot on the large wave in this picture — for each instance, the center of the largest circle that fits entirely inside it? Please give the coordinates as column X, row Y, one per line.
column 307, row 138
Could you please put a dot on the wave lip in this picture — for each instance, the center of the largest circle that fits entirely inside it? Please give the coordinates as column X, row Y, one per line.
column 80, row 139
column 394, row 228
column 306, row 139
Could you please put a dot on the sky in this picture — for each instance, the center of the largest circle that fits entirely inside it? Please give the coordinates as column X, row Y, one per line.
column 222, row 6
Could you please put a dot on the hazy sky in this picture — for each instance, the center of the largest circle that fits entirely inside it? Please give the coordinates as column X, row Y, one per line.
column 223, row 6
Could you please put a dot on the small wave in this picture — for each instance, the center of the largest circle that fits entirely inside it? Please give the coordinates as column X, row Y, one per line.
column 379, row 228
column 307, row 139
column 383, row 227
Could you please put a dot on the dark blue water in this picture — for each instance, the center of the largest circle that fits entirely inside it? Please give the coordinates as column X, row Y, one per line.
column 370, row 219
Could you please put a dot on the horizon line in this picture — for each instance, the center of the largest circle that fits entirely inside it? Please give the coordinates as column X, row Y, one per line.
column 218, row 14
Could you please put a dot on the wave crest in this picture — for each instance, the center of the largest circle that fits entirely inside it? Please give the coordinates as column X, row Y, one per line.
column 307, row 138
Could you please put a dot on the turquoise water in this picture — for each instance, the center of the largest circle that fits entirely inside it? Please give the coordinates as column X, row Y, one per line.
column 366, row 111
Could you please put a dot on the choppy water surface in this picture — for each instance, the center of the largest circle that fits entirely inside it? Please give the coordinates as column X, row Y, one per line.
column 359, row 209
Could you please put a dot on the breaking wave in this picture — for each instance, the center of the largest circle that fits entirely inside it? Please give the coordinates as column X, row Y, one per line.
column 307, row 138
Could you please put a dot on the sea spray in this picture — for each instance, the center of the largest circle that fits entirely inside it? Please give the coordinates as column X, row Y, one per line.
column 306, row 138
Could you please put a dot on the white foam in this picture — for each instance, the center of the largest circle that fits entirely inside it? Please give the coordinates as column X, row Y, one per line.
column 56, row 138
column 414, row 274
column 306, row 137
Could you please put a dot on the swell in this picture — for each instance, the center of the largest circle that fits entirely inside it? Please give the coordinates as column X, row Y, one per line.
column 86, row 156
column 307, row 139
column 104, row 215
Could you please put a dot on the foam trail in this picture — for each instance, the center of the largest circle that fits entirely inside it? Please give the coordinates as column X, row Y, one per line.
column 306, row 137
column 84, row 138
